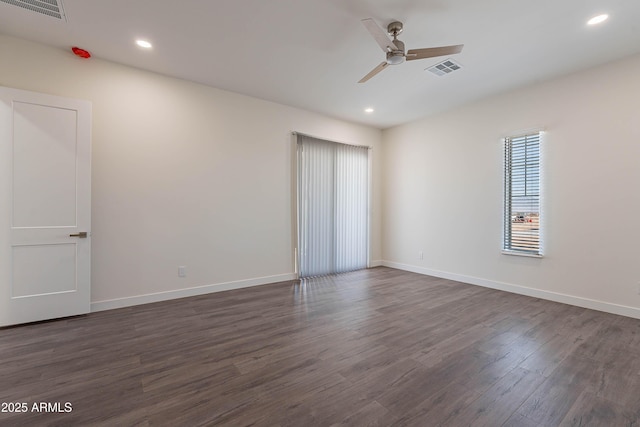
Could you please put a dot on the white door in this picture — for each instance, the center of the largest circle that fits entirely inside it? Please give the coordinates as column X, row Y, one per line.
column 45, row 216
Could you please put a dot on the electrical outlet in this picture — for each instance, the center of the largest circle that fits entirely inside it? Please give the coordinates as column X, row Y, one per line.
column 420, row 255
column 182, row 271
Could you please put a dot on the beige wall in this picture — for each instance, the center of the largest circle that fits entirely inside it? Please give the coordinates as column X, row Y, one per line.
column 443, row 187
column 183, row 174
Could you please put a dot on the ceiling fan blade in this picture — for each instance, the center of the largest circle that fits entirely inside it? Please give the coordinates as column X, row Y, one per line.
column 432, row 52
column 379, row 35
column 373, row 72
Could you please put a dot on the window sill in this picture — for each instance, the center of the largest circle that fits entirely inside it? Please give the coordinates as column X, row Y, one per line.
column 524, row 254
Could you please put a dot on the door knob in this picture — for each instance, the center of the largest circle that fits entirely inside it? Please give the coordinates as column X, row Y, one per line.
column 82, row 235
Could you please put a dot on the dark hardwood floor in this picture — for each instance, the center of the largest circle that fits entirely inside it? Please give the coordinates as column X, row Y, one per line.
column 374, row 347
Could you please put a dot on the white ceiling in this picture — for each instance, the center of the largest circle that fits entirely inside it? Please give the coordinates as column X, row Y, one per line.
column 311, row 53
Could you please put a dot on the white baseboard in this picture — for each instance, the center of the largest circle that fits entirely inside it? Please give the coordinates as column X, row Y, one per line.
column 188, row 292
column 607, row 307
column 376, row 263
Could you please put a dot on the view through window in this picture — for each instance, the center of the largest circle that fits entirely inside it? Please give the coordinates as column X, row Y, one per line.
column 522, row 194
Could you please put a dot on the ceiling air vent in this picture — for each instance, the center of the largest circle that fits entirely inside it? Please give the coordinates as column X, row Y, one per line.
column 51, row 8
column 445, row 67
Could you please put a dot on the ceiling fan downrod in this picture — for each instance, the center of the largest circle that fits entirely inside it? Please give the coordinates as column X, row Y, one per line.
column 395, row 57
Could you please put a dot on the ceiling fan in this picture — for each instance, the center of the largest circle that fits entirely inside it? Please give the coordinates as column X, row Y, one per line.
column 395, row 48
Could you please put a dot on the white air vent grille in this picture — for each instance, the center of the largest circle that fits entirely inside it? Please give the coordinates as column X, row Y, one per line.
column 51, row 8
column 444, row 67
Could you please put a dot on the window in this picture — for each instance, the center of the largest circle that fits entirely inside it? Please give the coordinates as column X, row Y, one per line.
column 522, row 194
column 333, row 207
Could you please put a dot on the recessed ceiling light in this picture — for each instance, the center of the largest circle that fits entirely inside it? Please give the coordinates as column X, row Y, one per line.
column 597, row 19
column 369, row 110
column 143, row 43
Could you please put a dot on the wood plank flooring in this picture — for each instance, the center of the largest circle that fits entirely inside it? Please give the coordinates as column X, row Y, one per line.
column 374, row 347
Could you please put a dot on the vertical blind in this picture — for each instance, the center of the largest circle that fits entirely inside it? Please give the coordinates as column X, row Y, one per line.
column 522, row 194
column 333, row 207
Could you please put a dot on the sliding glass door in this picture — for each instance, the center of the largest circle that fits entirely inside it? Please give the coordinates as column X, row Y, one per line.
column 333, row 207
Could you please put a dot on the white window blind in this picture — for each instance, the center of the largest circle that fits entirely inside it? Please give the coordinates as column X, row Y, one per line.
column 333, row 207
column 522, row 194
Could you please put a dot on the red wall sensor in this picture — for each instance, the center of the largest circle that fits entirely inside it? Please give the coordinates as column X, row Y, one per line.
column 81, row 52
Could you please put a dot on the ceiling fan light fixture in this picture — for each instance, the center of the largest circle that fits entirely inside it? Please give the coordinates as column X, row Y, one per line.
column 395, row 58
column 369, row 110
